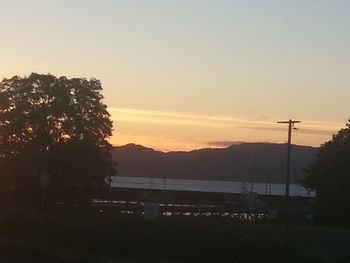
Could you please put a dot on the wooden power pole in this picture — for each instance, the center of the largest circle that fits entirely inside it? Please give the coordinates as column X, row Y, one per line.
column 290, row 126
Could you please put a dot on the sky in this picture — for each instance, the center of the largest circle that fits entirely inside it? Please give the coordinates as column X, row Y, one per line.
column 183, row 75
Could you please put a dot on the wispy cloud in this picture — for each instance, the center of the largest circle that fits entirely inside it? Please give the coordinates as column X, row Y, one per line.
column 224, row 144
column 181, row 118
column 141, row 115
column 138, row 118
column 323, row 131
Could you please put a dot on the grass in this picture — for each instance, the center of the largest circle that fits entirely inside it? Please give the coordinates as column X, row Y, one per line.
column 88, row 237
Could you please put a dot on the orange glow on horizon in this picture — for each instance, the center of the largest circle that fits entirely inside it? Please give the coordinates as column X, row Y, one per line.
column 174, row 131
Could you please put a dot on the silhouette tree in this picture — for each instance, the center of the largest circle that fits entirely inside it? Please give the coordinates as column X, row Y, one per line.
column 54, row 131
column 329, row 175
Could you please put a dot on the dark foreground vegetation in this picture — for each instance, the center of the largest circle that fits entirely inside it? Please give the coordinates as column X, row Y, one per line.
column 88, row 236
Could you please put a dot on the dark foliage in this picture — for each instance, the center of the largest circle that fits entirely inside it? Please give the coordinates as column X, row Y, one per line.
column 330, row 176
column 53, row 135
column 109, row 237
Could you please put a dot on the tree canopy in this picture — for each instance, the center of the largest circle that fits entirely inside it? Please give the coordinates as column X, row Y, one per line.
column 54, row 127
column 329, row 175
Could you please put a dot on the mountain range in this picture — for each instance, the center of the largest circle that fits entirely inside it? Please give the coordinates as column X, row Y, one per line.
column 247, row 162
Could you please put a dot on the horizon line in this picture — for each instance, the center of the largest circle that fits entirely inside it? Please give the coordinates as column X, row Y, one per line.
column 217, row 147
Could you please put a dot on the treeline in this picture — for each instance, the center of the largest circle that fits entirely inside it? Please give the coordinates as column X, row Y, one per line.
column 329, row 175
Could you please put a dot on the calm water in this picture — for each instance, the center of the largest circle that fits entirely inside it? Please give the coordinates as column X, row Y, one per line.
column 207, row 186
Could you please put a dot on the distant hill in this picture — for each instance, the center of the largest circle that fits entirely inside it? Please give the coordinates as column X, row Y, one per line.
column 260, row 162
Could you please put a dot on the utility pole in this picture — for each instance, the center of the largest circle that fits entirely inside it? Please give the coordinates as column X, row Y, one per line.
column 290, row 126
column 252, row 175
column 287, row 214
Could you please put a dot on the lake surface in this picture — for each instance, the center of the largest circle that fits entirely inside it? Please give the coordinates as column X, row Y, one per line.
column 208, row 186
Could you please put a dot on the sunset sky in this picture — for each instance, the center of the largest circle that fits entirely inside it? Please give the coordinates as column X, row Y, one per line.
column 182, row 75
